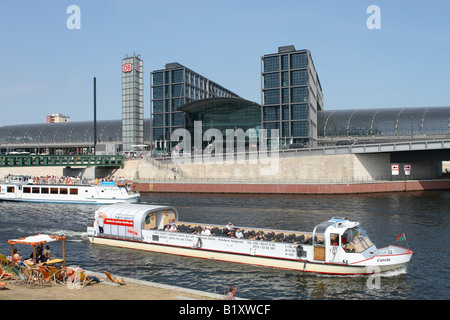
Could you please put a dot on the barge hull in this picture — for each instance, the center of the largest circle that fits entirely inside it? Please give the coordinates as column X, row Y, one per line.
column 294, row 264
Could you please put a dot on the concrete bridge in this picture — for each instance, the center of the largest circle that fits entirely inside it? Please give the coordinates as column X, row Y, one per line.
column 412, row 151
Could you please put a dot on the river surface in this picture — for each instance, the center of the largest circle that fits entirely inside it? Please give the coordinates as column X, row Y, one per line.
column 422, row 216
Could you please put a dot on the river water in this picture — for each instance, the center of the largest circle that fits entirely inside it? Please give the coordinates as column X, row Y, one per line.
column 422, row 216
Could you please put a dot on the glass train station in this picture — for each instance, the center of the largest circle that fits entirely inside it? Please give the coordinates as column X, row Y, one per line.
column 366, row 126
column 291, row 101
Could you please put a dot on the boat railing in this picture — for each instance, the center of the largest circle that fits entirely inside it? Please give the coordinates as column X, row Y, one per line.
column 269, row 234
column 54, row 180
column 62, row 182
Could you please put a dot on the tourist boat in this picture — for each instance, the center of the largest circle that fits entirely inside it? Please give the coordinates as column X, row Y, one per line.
column 22, row 188
column 337, row 246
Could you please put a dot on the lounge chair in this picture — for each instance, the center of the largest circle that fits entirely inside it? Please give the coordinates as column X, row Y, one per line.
column 78, row 277
column 71, row 278
column 4, row 261
column 5, row 275
column 41, row 277
column 110, row 277
column 56, row 274
column 45, row 274
column 84, row 279
column 19, row 274
column 30, row 278
column 4, row 286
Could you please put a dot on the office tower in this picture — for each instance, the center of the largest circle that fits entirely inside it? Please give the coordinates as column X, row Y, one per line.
column 291, row 95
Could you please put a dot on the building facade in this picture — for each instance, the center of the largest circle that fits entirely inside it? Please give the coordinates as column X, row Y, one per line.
column 291, row 95
column 171, row 88
column 132, row 102
column 57, row 118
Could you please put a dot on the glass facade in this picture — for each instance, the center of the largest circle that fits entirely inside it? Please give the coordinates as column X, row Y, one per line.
column 132, row 102
column 172, row 88
column 223, row 114
column 291, row 92
column 391, row 123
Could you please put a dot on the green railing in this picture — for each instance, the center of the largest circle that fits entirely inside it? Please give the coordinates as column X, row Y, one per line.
column 48, row 161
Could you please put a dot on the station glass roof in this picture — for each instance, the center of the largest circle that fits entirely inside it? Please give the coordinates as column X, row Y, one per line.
column 385, row 122
column 361, row 122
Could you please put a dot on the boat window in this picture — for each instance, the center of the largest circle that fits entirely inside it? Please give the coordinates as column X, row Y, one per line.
column 10, row 189
column 319, row 239
column 150, row 221
column 319, row 233
column 74, row 191
column 356, row 240
column 54, row 190
column 26, row 190
column 36, row 190
column 334, row 239
column 63, row 191
column 44, row 190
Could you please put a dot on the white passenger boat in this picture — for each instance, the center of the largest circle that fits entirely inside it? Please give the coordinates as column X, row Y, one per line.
column 21, row 188
column 337, row 246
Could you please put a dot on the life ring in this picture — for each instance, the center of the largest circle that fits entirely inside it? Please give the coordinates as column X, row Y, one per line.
column 70, row 182
column 34, row 181
column 299, row 251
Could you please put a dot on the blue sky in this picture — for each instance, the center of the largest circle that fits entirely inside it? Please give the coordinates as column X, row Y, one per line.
column 48, row 68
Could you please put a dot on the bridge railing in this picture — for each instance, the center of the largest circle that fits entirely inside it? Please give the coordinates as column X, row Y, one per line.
column 61, row 160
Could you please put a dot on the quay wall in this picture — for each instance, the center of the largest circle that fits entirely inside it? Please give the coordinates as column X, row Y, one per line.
column 279, row 188
column 315, row 174
column 323, row 168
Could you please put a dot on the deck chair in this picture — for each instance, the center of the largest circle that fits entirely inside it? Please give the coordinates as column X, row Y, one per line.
column 39, row 276
column 110, row 277
column 5, row 274
column 56, row 274
column 4, row 261
column 19, row 274
column 29, row 276
column 84, row 279
column 4, row 286
column 43, row 274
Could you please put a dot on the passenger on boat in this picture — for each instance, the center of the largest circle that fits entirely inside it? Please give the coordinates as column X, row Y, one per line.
column 260, row 236
column 171, row 228
column 100, row 222
column 230, row 229
column 239, row 234
column 334, row 239
column 250, row 236
column 206, row 231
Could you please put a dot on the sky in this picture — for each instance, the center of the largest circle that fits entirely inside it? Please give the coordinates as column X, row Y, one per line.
column 49, row 68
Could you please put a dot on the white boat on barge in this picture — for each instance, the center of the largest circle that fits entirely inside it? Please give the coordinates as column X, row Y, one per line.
column 337, row 246
column 24, row 189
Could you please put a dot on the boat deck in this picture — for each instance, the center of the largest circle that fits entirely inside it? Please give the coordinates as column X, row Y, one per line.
column 269, row 234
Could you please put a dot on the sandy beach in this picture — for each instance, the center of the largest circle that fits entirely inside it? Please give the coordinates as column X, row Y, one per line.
column 132, row 290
